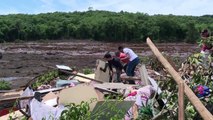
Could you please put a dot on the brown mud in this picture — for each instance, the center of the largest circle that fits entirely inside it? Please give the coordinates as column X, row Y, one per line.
column 33, row 58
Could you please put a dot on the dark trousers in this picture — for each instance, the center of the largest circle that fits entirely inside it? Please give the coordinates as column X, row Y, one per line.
column 130, row 70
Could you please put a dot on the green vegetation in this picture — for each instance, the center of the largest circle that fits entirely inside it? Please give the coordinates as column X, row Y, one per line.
column 103, row 25
column 4, row 85
column 197, row 73
column 105, row 109
column 87, row 71
column 76, row 112
column 45, row 78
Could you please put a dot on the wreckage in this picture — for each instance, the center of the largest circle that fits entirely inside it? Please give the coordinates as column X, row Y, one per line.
column 80, row 88
column 137, row 101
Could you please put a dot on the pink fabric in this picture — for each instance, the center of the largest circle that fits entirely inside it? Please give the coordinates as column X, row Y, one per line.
column 204, row 47
column 147, row 90
column 133, row 93
column 123, row 55
column 200, row 89
column 140, row 96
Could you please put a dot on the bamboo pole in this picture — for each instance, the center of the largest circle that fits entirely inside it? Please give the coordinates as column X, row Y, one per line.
column 181, row 101
column 206, row 115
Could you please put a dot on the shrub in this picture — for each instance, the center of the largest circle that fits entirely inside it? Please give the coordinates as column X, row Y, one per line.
column 87, row 71
column 4, row 85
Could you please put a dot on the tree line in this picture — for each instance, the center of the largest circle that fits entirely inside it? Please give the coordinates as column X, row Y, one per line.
column 103, row 26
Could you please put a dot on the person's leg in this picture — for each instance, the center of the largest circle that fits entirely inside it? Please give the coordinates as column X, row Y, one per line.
column 118, row 74
column 128, row 69
column 125, row 67
column 128, row 72
column 135, row 63
column 131, row 67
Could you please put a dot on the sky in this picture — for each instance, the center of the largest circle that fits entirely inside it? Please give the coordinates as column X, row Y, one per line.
column 151, row 7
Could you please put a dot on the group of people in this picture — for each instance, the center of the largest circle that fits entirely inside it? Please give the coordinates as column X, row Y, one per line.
column 125, row 59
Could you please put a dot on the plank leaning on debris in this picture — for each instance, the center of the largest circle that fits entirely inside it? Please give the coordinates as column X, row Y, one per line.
column 68, row 72
column 189, row 93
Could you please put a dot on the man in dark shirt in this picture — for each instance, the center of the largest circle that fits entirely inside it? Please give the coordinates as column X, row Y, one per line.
column 113, row 63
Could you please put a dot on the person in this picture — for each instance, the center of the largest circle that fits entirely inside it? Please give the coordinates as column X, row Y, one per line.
column 113, row 62
column 206, row 47
column 133, row 61
column 121, row 55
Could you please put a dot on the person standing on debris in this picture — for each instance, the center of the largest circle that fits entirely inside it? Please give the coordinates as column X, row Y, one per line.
column 113, row 62
column 133, row 60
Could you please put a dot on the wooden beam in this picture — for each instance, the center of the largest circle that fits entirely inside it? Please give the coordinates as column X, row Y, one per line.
column 16, row 98
column 181, row 101
column 206, row 115
column 144, row 75
column 130, row 78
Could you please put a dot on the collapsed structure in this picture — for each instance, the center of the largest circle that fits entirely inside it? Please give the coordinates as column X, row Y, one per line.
column 128, row 101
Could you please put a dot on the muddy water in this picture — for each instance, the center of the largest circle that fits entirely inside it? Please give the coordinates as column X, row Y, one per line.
column 30, row 59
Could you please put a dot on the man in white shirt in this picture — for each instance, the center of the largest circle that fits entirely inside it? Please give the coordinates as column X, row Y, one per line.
column 133, row 60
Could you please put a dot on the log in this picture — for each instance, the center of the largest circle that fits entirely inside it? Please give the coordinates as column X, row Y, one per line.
column 205, row 114
column 181, row 101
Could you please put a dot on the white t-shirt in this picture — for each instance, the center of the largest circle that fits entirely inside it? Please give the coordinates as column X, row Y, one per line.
column 130, row 53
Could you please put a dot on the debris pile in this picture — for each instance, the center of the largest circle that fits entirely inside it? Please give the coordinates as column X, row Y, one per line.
column 66, row 94
column 57, row 91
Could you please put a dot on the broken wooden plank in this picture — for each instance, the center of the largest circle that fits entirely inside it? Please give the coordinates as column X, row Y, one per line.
column 144, row 75
column 79, row 75
column 113, row 85
column 50, row 90
column 102, row 75
column 77, row 94
column 15, row 98
column 31, row 96
column 130, row 78
column 181, row 101
column 83, row 79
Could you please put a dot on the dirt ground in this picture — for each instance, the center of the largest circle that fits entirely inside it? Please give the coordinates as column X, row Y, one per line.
column 33, row 58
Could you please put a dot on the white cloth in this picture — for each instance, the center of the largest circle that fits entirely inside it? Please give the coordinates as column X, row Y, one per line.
column 41, row 111
column 131, row 53
column 27, row 92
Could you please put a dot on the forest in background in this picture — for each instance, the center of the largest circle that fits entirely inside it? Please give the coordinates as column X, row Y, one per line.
column 103, row 26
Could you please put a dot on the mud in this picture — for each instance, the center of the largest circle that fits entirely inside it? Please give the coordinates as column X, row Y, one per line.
column 33, row 58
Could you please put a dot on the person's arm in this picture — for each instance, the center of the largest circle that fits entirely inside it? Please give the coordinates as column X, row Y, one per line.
column 105, row 67
column 110, row 66
column 126, row 58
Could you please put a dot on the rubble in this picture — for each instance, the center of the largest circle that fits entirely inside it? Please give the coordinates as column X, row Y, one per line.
column 56, row 91
column 52, row 95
